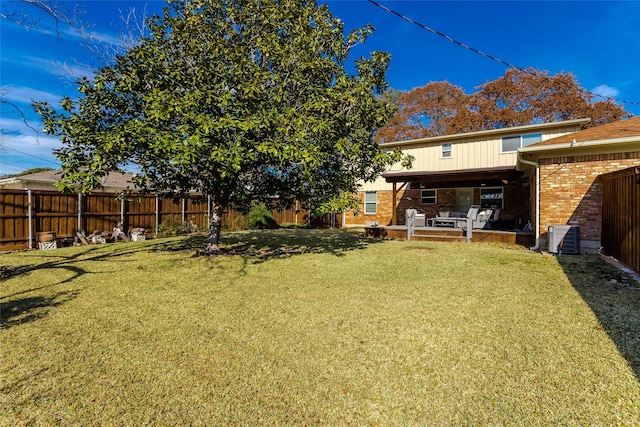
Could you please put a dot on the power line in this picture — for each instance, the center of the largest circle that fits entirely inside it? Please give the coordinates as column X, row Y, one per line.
column 486, row 55
column 31, row 155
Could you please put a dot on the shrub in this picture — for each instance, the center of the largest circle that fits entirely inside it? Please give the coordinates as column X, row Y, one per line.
column 235, row 223
column 172, row 226
column 261, row 217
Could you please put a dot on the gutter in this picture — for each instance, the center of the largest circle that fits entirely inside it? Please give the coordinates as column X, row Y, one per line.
column 537, row 216
column 535, row 148
column 501, row 131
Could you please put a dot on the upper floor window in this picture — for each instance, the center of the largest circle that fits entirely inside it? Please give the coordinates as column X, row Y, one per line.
column 370, row 202
column 445, row 151
column 512, row 143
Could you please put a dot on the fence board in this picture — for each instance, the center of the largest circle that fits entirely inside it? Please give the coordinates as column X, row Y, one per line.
column 621, row 216
column 57, row 212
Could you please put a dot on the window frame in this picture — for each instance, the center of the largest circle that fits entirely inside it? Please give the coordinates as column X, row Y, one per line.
column 368, row 203
column 434, row 197
column 521, row 138
column 446, row 147
column 489, row 202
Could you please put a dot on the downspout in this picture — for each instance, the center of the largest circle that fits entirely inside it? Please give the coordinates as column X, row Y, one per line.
column 537, row 216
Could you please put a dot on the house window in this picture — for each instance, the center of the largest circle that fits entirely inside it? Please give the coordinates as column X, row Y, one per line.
column 512, row 143
column 370, row 202
column 491, row 198
column 445, row 151
column 429, row 197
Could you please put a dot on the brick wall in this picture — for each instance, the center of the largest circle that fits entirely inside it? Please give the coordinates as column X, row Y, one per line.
column 571, row 193
column 516, row 205
column 383, row 210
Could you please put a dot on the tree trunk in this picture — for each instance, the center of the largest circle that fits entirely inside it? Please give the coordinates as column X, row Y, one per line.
column 215, row 225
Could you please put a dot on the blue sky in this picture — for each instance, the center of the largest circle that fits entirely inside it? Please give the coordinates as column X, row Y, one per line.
column 598, row 41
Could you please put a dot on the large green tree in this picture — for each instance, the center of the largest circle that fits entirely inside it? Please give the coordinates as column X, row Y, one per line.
column 239, row 100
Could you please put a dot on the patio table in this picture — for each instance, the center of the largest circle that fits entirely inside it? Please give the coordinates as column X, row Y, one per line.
column 446, row 222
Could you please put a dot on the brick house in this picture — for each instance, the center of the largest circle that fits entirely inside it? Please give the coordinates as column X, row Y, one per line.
column 453, row 172
column 501, row 168
column 567, row 171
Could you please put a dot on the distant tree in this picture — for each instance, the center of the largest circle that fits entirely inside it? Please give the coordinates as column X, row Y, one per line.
column 240, row 101
column 517, row 98
column 438, row 108
column 28, row 172
column 522, row 98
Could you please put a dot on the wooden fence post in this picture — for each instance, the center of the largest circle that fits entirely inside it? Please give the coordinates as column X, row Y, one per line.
column 157, row 215
column 79, row 212
column 30, row 221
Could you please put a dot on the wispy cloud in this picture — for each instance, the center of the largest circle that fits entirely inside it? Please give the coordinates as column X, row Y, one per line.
column 605, row 91
column 58, row 68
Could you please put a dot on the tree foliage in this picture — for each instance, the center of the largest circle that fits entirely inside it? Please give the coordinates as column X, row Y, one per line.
column 517, row 98
column 239, row 100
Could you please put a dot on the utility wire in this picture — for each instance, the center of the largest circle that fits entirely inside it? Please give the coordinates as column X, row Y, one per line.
column 31, row 155
column 486, row 55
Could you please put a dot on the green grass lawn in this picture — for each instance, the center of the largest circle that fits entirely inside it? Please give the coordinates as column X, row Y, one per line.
column 315, row 327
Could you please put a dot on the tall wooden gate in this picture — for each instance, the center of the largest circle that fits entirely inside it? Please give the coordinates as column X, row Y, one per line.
column 621, row 216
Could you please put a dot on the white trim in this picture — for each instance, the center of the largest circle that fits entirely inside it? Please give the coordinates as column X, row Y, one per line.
column 579, row 144
column 375, row 212
column 503, row 131
column 435, row 196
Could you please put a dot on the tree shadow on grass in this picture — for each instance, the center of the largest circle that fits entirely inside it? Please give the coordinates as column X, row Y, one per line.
column 613, row 297
column 263, row 245
column 25, row 310
column 70, row 262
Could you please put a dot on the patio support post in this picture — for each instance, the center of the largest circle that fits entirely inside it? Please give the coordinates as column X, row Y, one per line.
column 537, row 198
column 393, row 204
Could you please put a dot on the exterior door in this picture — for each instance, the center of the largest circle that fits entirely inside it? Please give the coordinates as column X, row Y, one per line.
column 464, row 199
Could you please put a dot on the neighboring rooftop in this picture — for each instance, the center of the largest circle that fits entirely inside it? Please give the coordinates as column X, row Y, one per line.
column 113, row 180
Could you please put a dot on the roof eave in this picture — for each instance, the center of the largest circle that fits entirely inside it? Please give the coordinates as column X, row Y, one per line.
column 524, row 128
column 580, row 144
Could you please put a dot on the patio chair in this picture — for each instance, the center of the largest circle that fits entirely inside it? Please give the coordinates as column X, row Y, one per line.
column 482, row 219
column 495, row 218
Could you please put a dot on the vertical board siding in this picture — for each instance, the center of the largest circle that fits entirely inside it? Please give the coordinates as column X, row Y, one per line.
column 57, row 212
column 621, row 216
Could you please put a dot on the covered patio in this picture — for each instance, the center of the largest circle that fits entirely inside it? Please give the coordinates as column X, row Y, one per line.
column 433, row 192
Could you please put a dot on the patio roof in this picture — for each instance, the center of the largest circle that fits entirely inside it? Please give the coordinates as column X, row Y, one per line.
column 490, row 177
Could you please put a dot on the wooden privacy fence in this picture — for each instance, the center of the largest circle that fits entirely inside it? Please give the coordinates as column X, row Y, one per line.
column 621, row 216
column 23, row 213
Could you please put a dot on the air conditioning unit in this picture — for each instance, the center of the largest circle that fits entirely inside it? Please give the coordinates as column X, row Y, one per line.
column 564, row 239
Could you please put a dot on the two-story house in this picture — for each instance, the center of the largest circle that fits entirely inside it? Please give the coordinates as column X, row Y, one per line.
column 518, row 170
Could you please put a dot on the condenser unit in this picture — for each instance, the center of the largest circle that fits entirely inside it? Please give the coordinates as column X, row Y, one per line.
column 564, row 239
